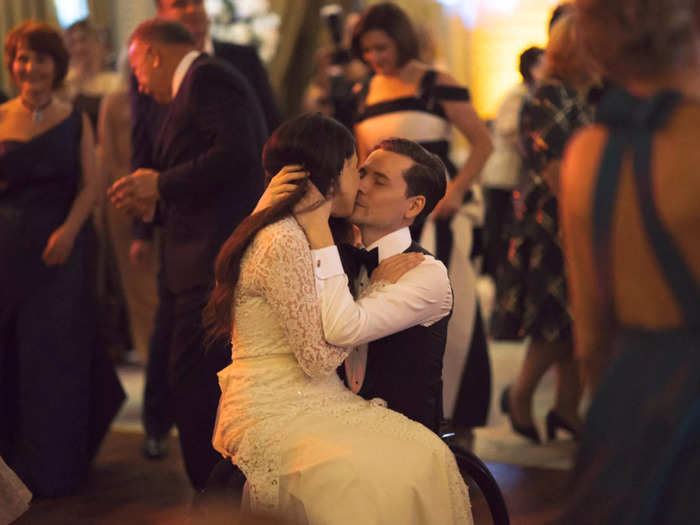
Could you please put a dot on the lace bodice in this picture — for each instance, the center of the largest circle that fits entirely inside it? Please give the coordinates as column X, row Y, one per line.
column 276, row 305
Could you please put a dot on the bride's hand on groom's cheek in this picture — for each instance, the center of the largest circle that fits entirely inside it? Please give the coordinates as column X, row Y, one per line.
column 281, row 186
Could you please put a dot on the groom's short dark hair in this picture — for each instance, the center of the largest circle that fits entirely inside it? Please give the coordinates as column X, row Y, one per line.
column 426, row 176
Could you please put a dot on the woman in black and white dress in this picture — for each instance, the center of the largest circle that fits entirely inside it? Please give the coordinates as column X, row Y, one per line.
column 407, row 98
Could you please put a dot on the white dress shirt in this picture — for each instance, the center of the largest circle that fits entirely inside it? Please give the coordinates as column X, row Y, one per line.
column 422, row 296
column 182, row 68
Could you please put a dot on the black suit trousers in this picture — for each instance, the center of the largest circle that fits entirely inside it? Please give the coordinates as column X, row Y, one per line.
column 188, row 393
column 157, row 404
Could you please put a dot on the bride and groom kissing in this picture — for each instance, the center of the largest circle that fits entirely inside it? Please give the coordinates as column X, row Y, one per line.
column 311, row 448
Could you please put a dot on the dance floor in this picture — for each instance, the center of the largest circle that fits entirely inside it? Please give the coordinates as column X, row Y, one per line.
column 125, row 488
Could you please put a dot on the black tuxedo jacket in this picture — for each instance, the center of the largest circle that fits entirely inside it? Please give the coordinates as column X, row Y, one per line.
column 405, row 369
column 246, row 61
column 208, row 155
column 147, row 114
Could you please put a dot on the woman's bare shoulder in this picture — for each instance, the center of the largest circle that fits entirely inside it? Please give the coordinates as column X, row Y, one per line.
column 580, row 165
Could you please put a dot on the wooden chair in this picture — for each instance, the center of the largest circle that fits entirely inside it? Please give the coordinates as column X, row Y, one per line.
column 471, row 466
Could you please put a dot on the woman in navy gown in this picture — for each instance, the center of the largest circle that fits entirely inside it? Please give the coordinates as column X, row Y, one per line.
column 58, row 393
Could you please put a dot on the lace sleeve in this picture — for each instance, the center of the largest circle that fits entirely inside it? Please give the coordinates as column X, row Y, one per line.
column 285, row 279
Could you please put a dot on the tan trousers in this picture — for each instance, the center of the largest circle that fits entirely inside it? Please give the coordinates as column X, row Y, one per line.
column 139, row 284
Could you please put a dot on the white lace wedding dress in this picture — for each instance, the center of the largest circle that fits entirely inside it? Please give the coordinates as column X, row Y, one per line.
column 310, row 449
column 14, row 495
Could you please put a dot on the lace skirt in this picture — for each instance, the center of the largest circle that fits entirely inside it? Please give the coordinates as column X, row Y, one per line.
column 14, row 495
column 316, row 453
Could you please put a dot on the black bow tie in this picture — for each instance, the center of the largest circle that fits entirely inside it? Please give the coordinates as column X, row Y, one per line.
column 354, row 258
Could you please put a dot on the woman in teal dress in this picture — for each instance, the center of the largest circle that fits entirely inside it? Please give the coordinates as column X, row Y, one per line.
column 630, row 192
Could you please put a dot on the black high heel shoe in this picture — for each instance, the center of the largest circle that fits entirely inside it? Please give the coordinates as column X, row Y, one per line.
column 554, row 422
column 528, row 432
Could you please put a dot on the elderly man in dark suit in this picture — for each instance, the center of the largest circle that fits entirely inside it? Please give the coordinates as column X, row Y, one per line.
column 206, row 178
column 147, row 117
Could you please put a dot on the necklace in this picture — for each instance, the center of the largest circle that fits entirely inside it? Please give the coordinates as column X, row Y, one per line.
column 37, row 111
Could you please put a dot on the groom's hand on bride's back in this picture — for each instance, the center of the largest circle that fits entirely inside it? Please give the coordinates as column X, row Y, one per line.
column 393, row 268
column 281, row 186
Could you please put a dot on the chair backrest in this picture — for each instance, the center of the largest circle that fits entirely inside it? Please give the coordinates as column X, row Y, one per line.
column 477, row 470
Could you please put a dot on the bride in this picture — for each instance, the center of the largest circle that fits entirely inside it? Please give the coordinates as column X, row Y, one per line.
column 311, row 450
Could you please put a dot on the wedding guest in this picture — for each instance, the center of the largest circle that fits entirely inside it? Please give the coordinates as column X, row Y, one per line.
column 336, row 72
column 407, row 98
column 205, row 181
column 560, row 10
column 147, row 116
column 58, row 390
column 87, row 81
column 629, row 207
column 533, row 301
column 136, row 277
column 503, row 172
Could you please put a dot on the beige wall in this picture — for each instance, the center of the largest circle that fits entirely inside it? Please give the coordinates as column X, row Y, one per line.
column 127, row 14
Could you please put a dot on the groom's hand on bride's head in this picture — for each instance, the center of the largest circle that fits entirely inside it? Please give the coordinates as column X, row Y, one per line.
column 281, row 186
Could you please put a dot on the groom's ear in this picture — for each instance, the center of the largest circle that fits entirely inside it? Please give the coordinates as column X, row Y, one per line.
column 415, row 206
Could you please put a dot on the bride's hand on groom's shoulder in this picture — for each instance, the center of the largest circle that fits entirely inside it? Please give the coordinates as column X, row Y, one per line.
column 281, row 186
column 394, row 267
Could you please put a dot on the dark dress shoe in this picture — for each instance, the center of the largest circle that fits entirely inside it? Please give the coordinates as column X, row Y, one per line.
column 155, row 448
column 530, row 432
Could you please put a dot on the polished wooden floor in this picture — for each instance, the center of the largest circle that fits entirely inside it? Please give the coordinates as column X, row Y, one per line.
column 126, row 489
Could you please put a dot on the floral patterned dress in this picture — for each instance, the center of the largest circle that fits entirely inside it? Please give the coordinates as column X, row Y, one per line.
column 532, row 299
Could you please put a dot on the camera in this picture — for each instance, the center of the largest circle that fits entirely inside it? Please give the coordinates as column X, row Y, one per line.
column 333, row 15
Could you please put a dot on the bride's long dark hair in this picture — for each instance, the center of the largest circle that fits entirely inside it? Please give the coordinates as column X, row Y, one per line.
column 321, row 145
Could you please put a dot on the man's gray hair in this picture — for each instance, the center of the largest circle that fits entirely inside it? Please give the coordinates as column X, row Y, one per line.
column 162, row 31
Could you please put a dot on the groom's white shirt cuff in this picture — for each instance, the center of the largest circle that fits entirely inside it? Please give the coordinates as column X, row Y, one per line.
column 327, row 263
column 422, row 296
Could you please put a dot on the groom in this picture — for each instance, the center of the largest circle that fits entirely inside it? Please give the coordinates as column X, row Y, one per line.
column 399, row 329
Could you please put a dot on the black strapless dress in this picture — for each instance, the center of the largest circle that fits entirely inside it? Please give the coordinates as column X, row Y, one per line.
column 58, row 391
